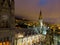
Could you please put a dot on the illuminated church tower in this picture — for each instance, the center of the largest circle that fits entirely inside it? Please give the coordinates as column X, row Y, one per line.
column 7, row 19
column 40, row 22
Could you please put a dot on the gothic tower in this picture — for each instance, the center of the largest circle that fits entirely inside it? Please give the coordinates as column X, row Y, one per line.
column 40, row 16
column 40, row 22
column 7, row 19
column 40, row 19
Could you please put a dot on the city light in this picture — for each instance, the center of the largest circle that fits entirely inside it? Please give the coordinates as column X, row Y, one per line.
column 19, row 35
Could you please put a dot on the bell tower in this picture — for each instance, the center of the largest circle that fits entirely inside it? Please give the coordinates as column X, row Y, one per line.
column 7, row 18
column 40, row 16
column 40, row 22
column 40, row 19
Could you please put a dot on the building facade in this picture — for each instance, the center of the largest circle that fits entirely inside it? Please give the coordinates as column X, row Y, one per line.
column 7, row 22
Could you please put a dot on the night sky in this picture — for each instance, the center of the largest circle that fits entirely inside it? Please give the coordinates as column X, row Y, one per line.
column 30, row 9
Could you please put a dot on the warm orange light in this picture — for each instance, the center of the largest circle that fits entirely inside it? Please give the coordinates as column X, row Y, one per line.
column 4, row 43
column 7, row 43
column 58, row 27
column 0, row 43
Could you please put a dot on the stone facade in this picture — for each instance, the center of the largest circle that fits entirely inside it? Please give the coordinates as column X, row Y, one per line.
column 7, row 14
column 7, row 21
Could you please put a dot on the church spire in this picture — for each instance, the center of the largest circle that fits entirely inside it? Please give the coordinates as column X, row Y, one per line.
column 40, row 16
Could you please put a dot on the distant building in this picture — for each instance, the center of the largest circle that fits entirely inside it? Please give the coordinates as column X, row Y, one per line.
column 40, row 22
column 40, row 27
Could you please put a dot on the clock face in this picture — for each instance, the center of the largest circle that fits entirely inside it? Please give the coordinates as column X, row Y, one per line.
column 4, row 17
